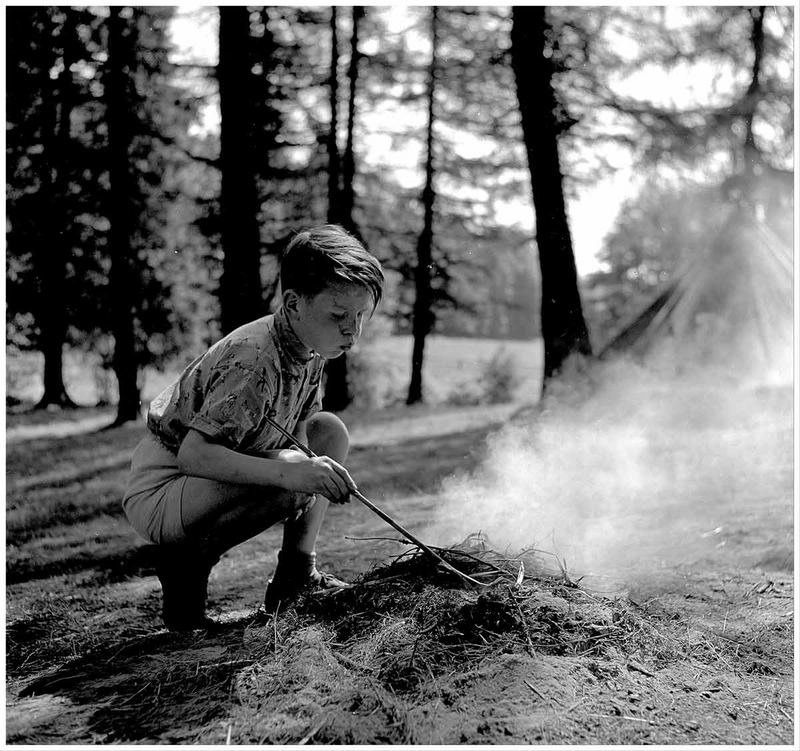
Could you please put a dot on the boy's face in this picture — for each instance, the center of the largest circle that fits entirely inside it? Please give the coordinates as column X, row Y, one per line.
column 329, row 323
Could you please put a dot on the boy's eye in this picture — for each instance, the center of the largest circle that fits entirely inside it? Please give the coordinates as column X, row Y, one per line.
column 339, row 316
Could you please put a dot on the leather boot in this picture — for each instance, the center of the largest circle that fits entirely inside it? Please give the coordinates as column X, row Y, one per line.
column 183, row 571
column 297, row 572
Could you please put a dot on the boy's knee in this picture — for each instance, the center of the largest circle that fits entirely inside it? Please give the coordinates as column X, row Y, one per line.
column 327, row 435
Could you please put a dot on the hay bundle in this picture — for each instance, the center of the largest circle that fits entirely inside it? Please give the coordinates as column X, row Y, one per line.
column 380, row 662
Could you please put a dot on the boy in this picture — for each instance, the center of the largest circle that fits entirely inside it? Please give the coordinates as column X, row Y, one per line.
column 211, row 472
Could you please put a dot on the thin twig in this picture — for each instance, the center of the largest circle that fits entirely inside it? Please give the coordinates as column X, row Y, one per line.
column 306, row 738
column 620, row 717
column 640, row 669
column 535, row 690
column 384, row 539
column 379, row 581
column 499, row 570
column 133, row 696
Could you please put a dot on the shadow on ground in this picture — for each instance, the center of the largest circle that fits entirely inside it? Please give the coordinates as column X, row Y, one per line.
column 109, row 673
column 156, row 688
column 417, row 465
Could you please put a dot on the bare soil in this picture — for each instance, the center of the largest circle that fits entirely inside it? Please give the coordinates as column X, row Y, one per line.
column 697, row 653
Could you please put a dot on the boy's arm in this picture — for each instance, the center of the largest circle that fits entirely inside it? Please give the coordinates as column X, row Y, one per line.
column 285, row 468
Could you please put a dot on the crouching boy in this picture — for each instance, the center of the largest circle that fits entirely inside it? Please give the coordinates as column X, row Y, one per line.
column 211, row 472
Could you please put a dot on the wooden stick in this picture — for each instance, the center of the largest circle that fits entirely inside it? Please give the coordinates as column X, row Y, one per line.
column 640, row 669
column 382, row 514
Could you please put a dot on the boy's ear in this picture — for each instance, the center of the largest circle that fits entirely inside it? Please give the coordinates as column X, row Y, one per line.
column 290, row 300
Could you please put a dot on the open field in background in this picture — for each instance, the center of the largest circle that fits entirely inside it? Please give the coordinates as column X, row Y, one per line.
column 450, row 362
column 697, row 652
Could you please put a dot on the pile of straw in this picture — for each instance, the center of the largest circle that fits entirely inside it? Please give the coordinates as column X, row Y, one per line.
column 338, row 668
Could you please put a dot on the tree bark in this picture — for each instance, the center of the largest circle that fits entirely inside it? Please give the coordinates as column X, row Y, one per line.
column 563, row 326
column 422, row 315
column 348, row 196
column 341, row 198
column 751, row 151
column 51, row 256
column 121, row 215
column 240, row 286
column 334, row 163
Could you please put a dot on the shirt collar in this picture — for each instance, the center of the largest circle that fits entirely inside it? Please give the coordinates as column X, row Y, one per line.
column 288, row 341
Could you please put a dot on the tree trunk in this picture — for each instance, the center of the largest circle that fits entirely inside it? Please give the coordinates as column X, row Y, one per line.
column 422, row 315
column 348, row 197
column 334, row 171
column 121, row 215
column 337, row 394
column 51, row 256
column 751, row 151
column 240, row 285
column 564, row 329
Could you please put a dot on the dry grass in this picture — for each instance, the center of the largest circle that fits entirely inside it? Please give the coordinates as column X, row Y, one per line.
column 413, row 654
column 409, row 655
column 377, row 662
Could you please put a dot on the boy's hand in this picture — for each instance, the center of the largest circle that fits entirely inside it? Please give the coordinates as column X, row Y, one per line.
column 319, row 474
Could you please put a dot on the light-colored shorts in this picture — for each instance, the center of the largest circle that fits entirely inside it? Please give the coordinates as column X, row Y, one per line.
column 157, row 492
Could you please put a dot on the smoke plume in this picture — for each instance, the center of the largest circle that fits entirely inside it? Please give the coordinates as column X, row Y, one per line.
column 623, row 466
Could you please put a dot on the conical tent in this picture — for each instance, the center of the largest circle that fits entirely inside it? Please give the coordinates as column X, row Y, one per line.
column 727, row 310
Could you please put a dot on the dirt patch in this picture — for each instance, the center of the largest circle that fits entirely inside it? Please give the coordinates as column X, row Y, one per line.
column 411, row 656
column 699, row 653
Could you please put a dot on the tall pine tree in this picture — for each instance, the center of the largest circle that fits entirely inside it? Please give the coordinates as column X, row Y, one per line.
column 422, row 317
column 240, row 286
column 564, row 330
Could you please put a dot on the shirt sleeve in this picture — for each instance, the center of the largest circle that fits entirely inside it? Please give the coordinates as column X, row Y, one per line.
column 233, row 402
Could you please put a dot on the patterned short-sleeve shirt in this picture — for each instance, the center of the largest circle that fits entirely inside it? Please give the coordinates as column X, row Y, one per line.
column 260, row 369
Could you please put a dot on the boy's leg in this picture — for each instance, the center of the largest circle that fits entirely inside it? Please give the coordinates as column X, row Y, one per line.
column 327, row 436
column 185, row 562
column 217, row 516
column 231, row 514
column 184, row 565
column 202, row 519
column 193, row 521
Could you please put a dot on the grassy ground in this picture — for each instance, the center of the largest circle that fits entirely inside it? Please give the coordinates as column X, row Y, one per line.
column 696, row 653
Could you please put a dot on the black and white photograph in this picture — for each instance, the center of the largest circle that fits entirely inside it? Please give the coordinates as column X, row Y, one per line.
column 401, row 375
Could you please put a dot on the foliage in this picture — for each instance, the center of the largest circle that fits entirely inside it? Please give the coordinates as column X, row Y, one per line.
column 477, row 145
column 732, row 125
column 374, row 382
column 497, row 382
column 499, row 378
column 655, row 231
column 738, row 62
column 611, row 59
column 162, row 110
column 38, row 39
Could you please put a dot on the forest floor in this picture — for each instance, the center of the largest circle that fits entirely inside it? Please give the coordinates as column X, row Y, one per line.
column 698, row 653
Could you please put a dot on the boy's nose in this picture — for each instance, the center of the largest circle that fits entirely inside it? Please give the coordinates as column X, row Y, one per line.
column 351, row 329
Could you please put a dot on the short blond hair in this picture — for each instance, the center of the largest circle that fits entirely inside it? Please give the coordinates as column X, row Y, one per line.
column 318, row 257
